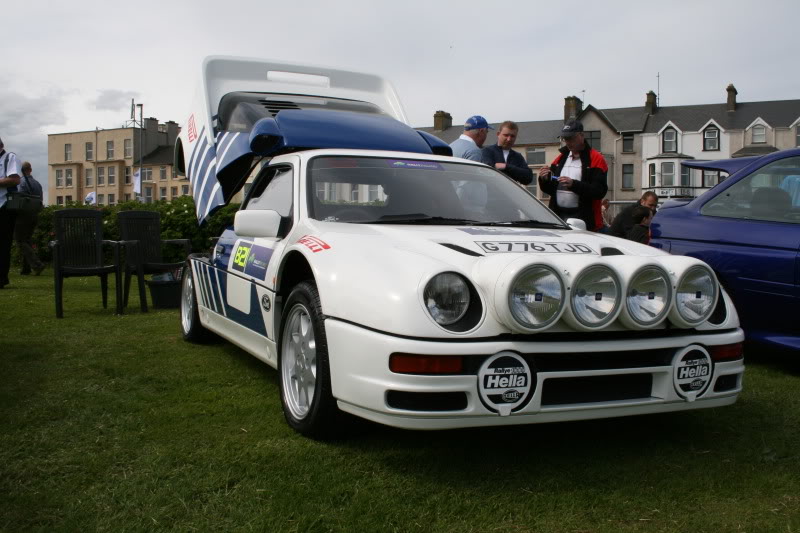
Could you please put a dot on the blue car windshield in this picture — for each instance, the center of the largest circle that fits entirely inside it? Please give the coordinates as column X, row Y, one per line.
column 408, row 191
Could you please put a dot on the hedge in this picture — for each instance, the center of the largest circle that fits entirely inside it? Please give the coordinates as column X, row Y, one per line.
column 178, row 221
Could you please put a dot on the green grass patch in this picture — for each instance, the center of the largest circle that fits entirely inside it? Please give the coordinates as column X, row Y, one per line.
column 114, row 423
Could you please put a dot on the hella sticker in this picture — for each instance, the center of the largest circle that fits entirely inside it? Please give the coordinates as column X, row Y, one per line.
column 692, row 372
column 505, row 383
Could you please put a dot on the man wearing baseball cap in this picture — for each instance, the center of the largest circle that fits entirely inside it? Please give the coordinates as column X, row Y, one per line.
column 468, row 146
column 9, row 179
column 577, row 180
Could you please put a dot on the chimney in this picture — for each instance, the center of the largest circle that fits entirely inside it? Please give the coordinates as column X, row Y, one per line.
column 732, row 92
column 442, row 120
column 650, row 104
column 573, row 106
column 172, row 131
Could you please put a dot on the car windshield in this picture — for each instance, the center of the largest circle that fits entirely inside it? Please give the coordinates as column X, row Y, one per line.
column 407, row 191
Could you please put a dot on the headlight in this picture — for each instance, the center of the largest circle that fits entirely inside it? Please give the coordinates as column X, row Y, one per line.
column 649, row 296
column 447, row 298
column 696, row 295
column 536, row 297
column 595, row 296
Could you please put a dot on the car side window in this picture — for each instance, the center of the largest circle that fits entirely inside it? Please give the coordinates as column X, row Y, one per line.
column 772, row 193
column 272, row 190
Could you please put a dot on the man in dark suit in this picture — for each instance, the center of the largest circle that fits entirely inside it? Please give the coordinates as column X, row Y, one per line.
column 503, row 158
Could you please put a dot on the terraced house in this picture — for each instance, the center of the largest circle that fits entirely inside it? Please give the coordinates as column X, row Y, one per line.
column 104, row 161
column 645, row 145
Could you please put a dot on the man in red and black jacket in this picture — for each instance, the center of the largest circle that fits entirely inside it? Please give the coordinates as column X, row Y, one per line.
column 577, row 180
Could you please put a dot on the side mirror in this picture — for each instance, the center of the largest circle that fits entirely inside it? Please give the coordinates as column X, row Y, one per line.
column 576, row 223
column 255, row 223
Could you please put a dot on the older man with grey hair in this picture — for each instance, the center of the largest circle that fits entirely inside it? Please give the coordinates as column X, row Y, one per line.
column 469, row 144
column 9, row 179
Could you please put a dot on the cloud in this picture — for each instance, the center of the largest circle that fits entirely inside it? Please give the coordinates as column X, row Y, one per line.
column 113, row 99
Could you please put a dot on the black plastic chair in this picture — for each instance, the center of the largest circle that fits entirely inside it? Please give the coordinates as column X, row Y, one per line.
column 140, row 232
column 78, row 252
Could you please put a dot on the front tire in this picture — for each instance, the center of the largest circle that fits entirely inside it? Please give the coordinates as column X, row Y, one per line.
column 305, row 381
column 192, row 329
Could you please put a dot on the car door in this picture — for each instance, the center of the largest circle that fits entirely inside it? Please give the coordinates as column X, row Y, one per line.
column 749, row 233
column 244, row 262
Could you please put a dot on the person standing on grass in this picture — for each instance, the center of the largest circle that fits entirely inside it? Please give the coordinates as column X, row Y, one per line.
column 26, row 224
column 9, row 179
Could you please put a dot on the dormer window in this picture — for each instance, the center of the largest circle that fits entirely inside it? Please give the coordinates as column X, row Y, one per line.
column 669, row 141
column 759, row 134
column 711, row 139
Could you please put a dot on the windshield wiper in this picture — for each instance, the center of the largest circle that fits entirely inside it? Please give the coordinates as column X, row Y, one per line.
column 420, row 218
column 523, row 224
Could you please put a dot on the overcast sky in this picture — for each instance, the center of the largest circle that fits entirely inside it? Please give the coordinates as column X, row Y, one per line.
column 76, row 65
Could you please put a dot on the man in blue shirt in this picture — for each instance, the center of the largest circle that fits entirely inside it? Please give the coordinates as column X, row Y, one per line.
column 9, row 179
column 468, row 146
column 26, row 224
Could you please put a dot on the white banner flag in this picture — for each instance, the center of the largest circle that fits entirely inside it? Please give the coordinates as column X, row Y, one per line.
column 137, row 183
column 90, row 199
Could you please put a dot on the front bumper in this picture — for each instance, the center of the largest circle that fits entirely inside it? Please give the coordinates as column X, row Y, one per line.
column 568, row 380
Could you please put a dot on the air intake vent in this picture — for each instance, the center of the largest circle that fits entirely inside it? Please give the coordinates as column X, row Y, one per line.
column 461, row 249
column 276, row 106
column 610, row 251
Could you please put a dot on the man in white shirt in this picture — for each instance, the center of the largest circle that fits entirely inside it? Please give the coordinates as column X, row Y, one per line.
column 9, row 179
column 468, row 146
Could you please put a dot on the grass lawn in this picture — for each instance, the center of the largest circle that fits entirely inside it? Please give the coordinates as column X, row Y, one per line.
column 114, row 423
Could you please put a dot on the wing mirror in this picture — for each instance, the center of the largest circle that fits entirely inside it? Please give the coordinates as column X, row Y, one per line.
column 256, row 223
column 576, row 223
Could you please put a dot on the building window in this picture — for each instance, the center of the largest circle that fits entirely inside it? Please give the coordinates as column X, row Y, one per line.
column 593, row 138
column 686, row 176
column 627, row 176
column 627, row 142
column 127, row 197
column 127, row 175
column 68, row 177
column 112, row 176
column 127, row 148
column 148, row 195
column 669, row 141
column 89, row 151
column 162, row 173
column 111, row 199
column 67, row 152
column 147, row 175
column 59, row 200
column 101, row 175
column 109, row 149
column 184, row 190
column 710, row 178
column 759, row 134
column 101, row 199
column 354, row 193
column 173, row 192
column 162, row 193
column 535, row 156
column 667, row 174
column 711, row 139
column 88, row 176
column 59, row 178
column 652, row 175
column 68, row 199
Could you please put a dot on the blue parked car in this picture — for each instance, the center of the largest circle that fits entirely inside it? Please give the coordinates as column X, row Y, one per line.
column 748, row 229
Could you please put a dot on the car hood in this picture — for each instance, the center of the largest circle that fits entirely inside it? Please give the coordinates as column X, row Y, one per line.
column 374, row 275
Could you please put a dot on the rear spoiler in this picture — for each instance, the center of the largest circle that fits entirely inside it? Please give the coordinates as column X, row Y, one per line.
column 725, row 165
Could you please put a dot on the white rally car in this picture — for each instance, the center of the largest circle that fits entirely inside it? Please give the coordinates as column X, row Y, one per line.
column 386, row 279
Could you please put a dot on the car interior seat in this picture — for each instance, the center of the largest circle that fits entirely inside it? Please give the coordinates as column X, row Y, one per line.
column 771, row 203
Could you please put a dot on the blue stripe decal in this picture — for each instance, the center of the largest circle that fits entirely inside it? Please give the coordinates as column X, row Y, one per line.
column 254, row 320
